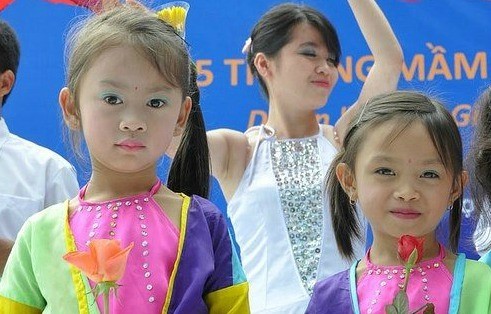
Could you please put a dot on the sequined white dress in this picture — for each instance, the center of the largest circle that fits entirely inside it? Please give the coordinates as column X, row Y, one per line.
column 282, row 223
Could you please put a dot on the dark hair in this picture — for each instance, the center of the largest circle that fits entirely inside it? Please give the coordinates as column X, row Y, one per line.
column 480, row 161
column 274, row 30
column 9, row 51
column 159, row 43
column 190, row 170
column 406, row 107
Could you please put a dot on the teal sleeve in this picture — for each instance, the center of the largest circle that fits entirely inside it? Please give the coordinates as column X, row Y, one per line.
column 486, row 258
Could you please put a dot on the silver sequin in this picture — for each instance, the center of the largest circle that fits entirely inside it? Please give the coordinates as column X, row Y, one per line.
column 297, row 169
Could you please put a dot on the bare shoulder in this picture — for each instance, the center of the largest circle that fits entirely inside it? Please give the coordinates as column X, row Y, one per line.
column 328, row 132
column 228, row 151
column 232, row 138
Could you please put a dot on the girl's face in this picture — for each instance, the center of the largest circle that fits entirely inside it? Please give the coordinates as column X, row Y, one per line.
column 129, row 112
column 402, row 186
column 303, row 73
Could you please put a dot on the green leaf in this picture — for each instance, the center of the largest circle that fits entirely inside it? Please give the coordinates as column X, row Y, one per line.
column 390, row 309
column 411, row 261
column 401, row 302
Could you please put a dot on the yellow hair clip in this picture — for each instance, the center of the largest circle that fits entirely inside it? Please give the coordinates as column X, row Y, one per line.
column 174, row 13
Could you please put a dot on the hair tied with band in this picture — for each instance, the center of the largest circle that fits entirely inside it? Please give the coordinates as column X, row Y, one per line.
column 174, row 13
column 247, row 46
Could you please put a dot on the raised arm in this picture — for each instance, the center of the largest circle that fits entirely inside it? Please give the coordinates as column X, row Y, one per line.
column 387, row 53
column 229, row 155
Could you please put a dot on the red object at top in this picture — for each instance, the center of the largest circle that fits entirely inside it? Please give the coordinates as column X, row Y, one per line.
column 5, row 3
column 406, row 245
column 91, row 4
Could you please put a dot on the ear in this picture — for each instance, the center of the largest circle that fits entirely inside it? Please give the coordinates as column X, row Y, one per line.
column 183, row 116
column 7, row 80
column 458, row 187
column 70, row 114
column 347, row 180
column 262, row 64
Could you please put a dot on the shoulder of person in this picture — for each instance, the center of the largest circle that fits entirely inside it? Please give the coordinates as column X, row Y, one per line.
column 204, row 205
column 45, row 221
column 329, row 133
column 479, row 270
column 232, row 138
column 228, row 142
column 37, row 152
column 332, row 292
column 212, row 214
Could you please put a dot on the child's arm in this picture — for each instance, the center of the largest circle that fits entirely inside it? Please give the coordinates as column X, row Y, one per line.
column 226, row 289
column 387, row 53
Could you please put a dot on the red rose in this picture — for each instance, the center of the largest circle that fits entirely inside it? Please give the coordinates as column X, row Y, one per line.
column 406, row 245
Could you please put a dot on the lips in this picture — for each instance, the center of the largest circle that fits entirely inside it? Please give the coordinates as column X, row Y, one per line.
column 322, row 83
column 405, row 213
column 130, row 145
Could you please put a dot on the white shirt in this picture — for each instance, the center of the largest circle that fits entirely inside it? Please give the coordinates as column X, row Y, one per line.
column 31, row 178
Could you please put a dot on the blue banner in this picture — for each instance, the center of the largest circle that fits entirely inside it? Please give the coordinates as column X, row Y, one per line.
column 446, row 45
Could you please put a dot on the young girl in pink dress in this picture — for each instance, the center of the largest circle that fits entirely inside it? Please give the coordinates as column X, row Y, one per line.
column 127, row 96
column 401, row 162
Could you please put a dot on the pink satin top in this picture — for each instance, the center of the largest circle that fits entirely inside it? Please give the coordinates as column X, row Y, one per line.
column 429, row 282
column 137, row 219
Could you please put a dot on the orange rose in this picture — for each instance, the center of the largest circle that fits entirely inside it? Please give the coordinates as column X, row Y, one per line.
column 105, row 260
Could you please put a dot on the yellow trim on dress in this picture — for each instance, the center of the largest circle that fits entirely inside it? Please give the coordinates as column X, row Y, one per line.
column 75, row 273
column 182, row 235
column 233, row 299
column 8, row 306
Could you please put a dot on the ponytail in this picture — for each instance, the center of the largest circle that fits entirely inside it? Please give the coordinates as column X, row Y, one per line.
column 190, row 169
column 455, row 220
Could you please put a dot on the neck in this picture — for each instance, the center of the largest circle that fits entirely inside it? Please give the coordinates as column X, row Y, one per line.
column 104, row 186
column 385, row 252
column 291, row 122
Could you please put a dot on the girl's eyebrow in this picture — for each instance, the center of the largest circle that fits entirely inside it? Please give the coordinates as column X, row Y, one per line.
column 426, row 162
column 309, row 44
column 433, row 161
column 382, row 158
column 120, row 85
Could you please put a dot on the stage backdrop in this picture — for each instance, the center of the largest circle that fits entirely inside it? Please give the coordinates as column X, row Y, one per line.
column 446, row 46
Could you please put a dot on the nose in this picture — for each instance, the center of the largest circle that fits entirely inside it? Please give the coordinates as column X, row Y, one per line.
column 132, row 126
column 406, row 192
column 325, row 67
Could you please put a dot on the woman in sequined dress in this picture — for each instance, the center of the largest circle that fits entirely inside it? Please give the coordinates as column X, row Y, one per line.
column 128, row 81
column 272, row 175
column 401, row 162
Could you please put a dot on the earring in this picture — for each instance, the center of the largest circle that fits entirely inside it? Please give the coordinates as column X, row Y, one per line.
column 352, row 201
column 177, row 131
